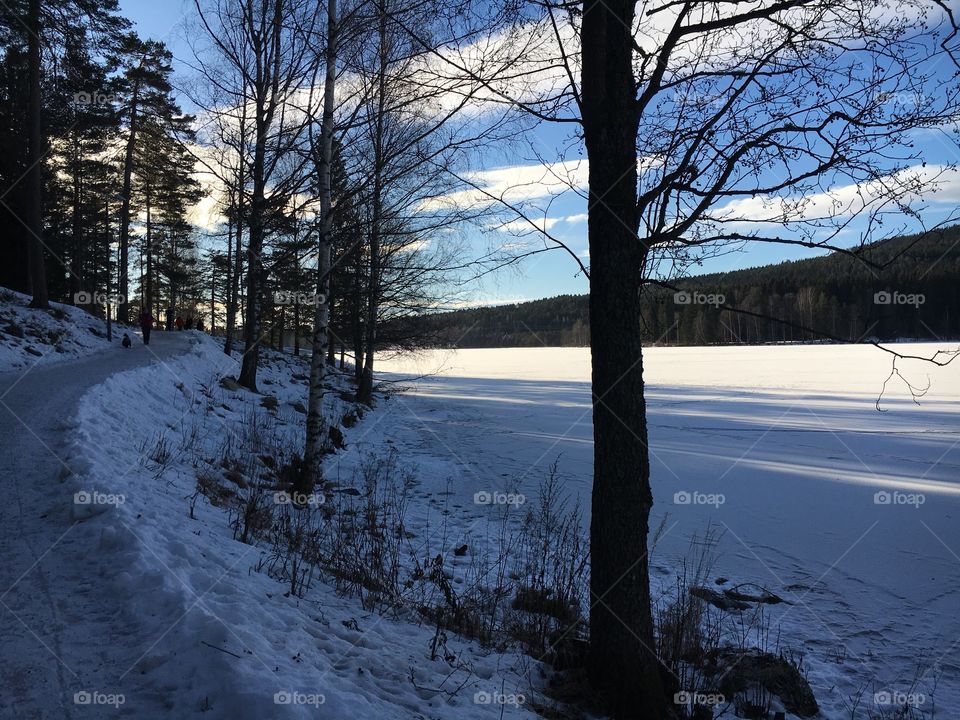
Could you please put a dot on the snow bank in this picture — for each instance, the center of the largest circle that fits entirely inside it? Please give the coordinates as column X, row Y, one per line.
column 30, row 337
column 219, row 637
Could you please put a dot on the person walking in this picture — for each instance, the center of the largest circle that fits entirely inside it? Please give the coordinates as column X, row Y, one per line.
column 146, row 325
column 179, row 322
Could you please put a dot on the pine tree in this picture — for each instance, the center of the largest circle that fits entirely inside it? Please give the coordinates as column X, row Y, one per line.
column 145, row 96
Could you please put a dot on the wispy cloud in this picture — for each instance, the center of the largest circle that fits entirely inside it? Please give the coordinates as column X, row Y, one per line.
column 934, row 183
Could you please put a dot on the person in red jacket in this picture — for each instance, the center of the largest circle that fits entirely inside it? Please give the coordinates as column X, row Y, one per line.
column 179, row 323
column 146, row 324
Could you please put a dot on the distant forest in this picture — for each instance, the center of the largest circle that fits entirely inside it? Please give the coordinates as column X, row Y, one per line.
column 837, row 297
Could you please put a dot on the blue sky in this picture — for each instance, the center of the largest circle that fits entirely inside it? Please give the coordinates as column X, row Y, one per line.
column 552, row 273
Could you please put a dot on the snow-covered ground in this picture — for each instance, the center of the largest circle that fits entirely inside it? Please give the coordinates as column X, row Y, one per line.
column 125, row 592
column 37, row 337
column 850, row 514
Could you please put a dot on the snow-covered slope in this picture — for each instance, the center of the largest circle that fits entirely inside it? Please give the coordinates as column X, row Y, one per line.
column 31, row 337
column 221, row 636
column 787, row 435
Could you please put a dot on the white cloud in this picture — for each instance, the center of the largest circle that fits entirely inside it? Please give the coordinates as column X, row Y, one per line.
column 524, row 226
column 516, row 184
column 206, row 213
column 521, row 184
column 937, row 183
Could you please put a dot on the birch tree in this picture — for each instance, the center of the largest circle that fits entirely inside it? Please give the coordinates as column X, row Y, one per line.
column 316, row 425
column 267, row 47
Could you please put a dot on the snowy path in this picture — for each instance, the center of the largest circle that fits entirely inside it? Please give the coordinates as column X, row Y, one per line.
column 61, row 631
column 791, row 440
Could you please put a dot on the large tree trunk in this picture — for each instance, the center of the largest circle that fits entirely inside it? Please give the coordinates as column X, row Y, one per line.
column 38, row 271
column 316, row 441
column 331, row 350
column 104, row 253
column 296, row 329
column 123, row 313
column 76, row 259
column 228, row 283
column 296, row 308
column 356, row 316
column 148, row 293
column 623, row 665
column 213, row 301
column 251, row 321
column 365, row 391
column 234, row 297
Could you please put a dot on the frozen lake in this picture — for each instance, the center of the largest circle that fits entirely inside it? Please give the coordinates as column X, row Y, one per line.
column 850, row 514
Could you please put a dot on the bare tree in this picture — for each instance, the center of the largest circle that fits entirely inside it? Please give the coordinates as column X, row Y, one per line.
column 708, row 125
column 315, row 439
column 267, row 46
column 412, row 135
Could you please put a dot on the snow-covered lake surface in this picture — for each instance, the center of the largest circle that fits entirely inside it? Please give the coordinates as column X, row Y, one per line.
column 850, row 514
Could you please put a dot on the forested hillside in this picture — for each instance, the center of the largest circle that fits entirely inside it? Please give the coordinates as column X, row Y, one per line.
column 900, row 288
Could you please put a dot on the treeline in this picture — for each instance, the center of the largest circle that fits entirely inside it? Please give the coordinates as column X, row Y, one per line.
column 104, row 176
column 327, row 154
column 899, row 288
column 93, row 162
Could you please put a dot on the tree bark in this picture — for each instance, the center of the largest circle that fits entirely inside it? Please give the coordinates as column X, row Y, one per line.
column 268, row 53
column 623, row 665
column 76, row 259
column 251, row 321
column 228, row 282
column 315, row 441
column 365, row 390
column 331, row 349
column 38, row 271
column 234, row 296
column 255, row 272
column 356, row 316
column 148, row 293
column 123, row 314
column 296, row 329
column 213, row 301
